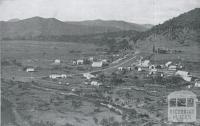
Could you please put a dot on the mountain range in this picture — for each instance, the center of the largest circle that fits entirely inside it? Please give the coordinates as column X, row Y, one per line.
column 183, row 30
column 44, row 27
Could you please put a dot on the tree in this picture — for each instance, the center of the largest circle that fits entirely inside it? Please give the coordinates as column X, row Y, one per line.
column 123, row 44
column 104, row 122
column 154, row 50
column 102, row 77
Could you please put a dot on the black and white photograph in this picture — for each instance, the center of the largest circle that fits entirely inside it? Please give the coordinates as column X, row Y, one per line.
column 100, row 62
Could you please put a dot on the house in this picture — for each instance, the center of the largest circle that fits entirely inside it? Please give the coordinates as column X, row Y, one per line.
column 57, row 61
column 152, row 67
column 97, row 64
column 189, row 86
column 172, row 67
column 182, row 73
column 54, row 76
column 91, row 59
column 139, row 69
column 185, row 75
column 63, row 76
column 88, row 75
column 30, row 70
column 95, row 83
column 187, row 78
column 168, row 63
column 79, row 62
column 120, row 68
column 104, row 61
column 74, row 62
column 152, row 71
column 197, row 83
column 144, row 63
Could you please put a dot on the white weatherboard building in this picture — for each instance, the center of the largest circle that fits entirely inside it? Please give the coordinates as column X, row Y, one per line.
column 104, row 60
column 97, row 64
column 55, row 76
column 91, row 59
column 95, row 83
column 79, row 62
column 30, row 70
column 88, row 76
column 120, row 68
column 197, row 83
column 152, row 67
column 184, row 74
column 172, row 67
column 57, row 61
column 74, row 62
column 187, row 78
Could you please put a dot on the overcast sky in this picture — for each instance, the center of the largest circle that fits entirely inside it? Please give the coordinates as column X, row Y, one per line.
column 136, row 11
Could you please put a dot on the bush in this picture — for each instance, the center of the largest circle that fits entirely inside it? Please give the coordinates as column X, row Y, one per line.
column 42, row 123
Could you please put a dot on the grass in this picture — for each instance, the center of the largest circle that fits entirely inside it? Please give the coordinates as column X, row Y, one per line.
column 7, row 115
column 39, row 106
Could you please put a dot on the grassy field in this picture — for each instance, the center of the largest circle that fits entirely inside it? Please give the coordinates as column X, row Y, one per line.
column 15, row 55
column 41, row 107
column 41, row 101
column 44, row 50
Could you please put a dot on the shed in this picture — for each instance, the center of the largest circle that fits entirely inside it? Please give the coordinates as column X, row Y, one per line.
column 97, row 64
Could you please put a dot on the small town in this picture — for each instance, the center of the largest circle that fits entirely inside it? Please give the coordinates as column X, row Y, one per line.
column 90, row 73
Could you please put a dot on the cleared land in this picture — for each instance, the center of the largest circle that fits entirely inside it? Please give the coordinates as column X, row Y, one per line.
column 36, row 100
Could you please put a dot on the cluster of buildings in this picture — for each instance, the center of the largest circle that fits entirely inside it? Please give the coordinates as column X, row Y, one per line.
column 167, row 69
column 91, row 80
column 165, row 50
column 91, row 60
